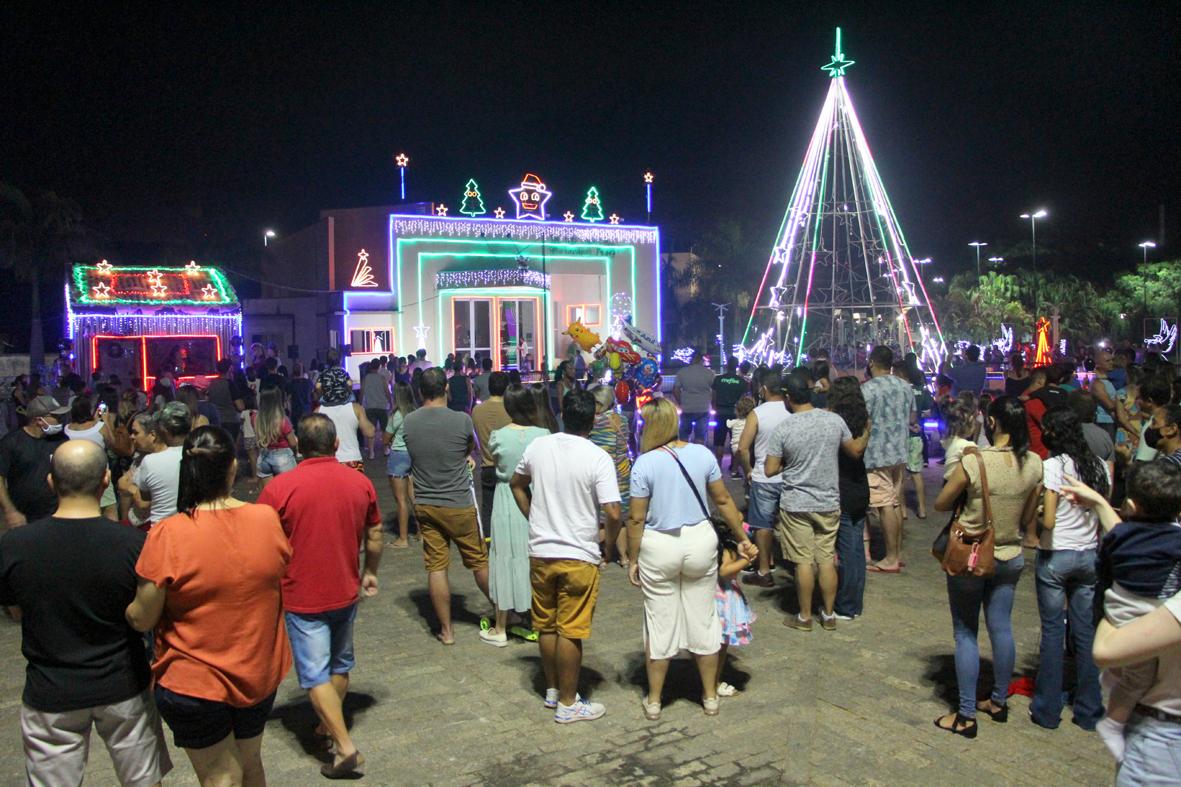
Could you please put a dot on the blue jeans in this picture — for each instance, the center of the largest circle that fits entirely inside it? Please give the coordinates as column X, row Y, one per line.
column 1153, row 753
column 850, row 565
column 695, row 424
column 1066, row 578
column 967, row 594
column 762, row 505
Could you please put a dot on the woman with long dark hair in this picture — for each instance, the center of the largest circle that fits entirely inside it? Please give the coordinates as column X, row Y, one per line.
column 209, row 585
column 845, row 399
column 1067, row 572
column 398, row 461
column 1014, row 477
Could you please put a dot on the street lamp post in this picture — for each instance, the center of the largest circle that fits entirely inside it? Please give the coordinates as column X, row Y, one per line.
column 996, row 260
column 1144, row 247
column 977, row 244
column 1041, row 213
column 266, row 236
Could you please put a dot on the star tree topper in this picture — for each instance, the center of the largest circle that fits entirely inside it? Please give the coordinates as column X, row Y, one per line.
column 530, row 197
column 837, row 66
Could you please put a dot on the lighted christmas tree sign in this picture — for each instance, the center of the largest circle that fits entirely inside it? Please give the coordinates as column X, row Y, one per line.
column 363, row 273
column 841, row 273
column 473, row 203
column 592, row 208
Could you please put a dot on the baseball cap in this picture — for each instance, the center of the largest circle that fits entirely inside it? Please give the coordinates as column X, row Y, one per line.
column 45, row 405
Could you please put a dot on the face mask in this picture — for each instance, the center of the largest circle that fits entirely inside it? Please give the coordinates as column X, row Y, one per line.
column 51, row 429
column 1152, row 437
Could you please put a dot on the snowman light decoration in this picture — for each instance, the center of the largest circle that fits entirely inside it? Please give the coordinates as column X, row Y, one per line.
column 531, row 197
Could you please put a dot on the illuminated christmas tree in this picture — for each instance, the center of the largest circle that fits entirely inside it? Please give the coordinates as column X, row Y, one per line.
column 592, row 208
column 840, row 274
column 473, row 203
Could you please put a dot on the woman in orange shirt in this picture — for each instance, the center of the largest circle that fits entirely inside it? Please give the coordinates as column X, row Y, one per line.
column 209, row 584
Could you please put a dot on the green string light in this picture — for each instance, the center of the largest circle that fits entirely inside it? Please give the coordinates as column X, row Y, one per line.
column 837, row 66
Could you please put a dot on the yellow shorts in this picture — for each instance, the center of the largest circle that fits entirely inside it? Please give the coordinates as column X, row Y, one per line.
column 440, row 526
column 885, row 486
column 809, row 537
column 564, row 595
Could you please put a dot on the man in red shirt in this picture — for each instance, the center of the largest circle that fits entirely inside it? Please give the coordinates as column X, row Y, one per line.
column 1044, row 392
column 328, row 511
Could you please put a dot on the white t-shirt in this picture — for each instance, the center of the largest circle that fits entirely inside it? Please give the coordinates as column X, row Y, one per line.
column 344, row 418
column 572, row 477
column 1075, row 527
column 770, row 415
column 159, row 476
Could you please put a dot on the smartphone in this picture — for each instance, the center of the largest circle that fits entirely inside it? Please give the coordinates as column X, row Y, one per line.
column 102, row 409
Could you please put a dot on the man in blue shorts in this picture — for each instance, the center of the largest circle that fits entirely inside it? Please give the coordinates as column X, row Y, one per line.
column 762, row 502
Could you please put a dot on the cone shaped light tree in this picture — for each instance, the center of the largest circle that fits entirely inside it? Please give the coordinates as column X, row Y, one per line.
column 840, row 273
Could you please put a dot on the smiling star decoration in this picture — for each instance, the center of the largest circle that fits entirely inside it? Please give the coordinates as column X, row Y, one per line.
column 531, row 197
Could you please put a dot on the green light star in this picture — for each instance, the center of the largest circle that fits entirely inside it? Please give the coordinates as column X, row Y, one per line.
column 836, row 67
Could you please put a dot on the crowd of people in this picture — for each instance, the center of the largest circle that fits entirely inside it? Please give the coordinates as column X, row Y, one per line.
column 146, row 535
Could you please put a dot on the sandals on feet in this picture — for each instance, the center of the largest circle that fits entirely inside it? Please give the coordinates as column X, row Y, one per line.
column 726, row 690
column 999, row 716
column 345, row 769
column 961, row 725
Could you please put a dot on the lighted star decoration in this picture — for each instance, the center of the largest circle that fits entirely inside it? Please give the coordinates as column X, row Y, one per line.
column 837, row 66
column 159, row 290
column 104, row 267
column 209, row 293
column 648, row 177
column 530, row 197
column 441, row 210
column 192, row 267
column 154, row 276
column 101, row 290
column 568, row 216
column 614, row 218
column 498, row 213
column 402, row 160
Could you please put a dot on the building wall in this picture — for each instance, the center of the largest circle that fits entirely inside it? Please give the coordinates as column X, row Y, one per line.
column 311, row 324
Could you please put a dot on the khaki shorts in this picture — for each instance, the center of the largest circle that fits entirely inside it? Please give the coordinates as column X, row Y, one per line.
column 56, row 744
column 440, row 527
column 564, row 596
column 885, row 486
column 809, row 537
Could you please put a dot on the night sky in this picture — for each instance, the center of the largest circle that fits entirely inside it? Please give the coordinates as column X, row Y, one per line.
column 192, row 128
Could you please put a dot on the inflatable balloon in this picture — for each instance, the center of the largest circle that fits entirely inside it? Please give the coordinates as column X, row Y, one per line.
column 647, row 373
column 645, row 342
column 622, row 392
column 582, row 336
column 613, row 360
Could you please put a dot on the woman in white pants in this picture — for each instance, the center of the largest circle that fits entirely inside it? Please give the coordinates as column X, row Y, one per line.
column 673, row 551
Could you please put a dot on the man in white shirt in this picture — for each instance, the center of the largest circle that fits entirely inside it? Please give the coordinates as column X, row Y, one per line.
column 559, row 485
column 153, row 489
column 762, row 499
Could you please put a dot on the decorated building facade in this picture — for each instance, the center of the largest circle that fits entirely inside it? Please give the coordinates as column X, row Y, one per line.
column 489, row 282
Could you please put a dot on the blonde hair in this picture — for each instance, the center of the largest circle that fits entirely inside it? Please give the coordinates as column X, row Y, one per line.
column 660, row 424
column 268, row 424
column 744, row 406
column 604, row 398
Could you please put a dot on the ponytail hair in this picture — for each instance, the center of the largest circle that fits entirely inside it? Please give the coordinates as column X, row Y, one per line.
column 205, row 463
column 1009, row 414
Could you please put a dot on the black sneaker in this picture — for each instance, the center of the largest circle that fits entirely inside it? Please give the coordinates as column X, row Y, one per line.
column 759, row 580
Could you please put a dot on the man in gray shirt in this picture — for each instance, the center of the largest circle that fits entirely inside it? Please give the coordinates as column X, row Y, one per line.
column 440, row 444
column 804, row 448
column 693, row 391
column 480, row 381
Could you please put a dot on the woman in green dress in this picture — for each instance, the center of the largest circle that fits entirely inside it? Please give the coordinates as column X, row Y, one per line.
column 508, row 559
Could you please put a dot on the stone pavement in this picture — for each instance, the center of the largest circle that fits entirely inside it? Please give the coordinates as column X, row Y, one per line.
column 854, row 706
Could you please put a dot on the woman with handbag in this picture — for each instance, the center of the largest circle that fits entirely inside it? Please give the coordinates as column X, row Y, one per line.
column 673, row 551
column 983, row 557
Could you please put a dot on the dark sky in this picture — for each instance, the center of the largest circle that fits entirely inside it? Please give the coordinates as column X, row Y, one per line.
column 242, row 118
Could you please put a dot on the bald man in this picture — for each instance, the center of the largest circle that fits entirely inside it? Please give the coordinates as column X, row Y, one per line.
column 72, row 575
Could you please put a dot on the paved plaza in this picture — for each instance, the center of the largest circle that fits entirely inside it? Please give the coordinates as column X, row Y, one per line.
column 853, row 706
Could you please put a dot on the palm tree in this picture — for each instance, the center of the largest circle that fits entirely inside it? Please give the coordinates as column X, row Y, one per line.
column 37, row 236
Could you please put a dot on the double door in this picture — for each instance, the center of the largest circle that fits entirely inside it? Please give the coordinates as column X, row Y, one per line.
column 503, row 329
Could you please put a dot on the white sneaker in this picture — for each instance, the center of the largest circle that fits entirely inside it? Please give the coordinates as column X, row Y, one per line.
column 495, row 640
column 726, row 690
column 581, row 710
column 551, row 698
column 840, row 616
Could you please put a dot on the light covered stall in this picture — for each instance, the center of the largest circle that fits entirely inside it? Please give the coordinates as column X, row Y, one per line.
column 136, row 321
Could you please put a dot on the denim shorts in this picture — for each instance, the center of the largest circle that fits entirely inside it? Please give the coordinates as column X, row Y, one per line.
column 275, row 461
column 198, row 723
column 397, row 465
column 762, row 505
column 321, row 644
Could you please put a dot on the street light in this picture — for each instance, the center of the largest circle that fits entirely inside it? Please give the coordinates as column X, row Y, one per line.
column 266, row 236
column 1145, row 246
column 977, row 244
column 938, row 280
column 996, row 260
column 1033, row 217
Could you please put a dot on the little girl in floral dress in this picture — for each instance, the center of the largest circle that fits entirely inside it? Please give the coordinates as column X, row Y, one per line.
column 735, row 613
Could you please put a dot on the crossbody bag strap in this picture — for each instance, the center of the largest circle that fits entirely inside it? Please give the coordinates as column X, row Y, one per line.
column 688, row 480
column 986, row 498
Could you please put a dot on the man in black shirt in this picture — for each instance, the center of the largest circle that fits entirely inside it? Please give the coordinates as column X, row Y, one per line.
column 728, row 389
column 72, row 575
column 24, row 462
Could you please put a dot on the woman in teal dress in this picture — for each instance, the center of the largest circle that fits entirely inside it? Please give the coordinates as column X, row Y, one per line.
column 508, row 559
